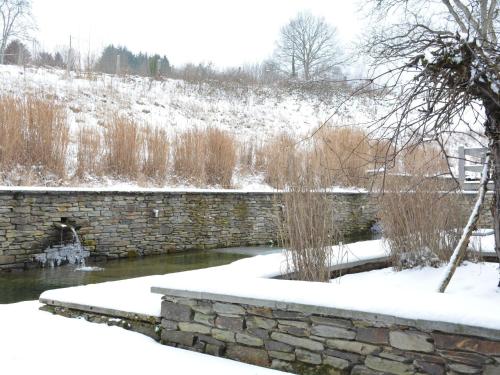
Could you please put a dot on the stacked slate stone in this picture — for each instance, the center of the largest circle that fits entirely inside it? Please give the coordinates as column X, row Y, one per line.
column 308, row 343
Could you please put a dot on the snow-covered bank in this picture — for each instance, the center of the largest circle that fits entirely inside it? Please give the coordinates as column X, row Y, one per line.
column 408, row 297
column 409, row 294
column 134, row 295
column 37, row 342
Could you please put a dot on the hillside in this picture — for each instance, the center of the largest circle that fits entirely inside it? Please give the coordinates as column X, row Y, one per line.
column 253, row 114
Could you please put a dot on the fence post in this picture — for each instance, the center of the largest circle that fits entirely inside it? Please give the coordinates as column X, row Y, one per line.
column 117, row 72
column 461, row 165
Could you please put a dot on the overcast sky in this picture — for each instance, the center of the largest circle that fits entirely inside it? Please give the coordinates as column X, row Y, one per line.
column 225, row 32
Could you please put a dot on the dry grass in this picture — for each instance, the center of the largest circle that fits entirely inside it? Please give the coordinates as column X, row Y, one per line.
column 335, row 157
column 220, row 158
column 122, row 140
column 341, row 157
column 421, row 223
column 90, row 152
column 33, row 133
column 155, row 154
column 205, row 157
column 423, row 159
column 247, row 154
column 411, row 165
column 280, row 161
column 188, row 157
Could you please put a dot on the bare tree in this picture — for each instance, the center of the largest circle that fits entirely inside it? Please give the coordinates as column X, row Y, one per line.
column 440, row 62
column 16, row 22
column 308, row 46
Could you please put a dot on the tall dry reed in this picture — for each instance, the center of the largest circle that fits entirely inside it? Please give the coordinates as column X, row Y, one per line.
column 89, row 158
column 33, row 133
column 122, row 140
column 155, row 154
column 205, row 156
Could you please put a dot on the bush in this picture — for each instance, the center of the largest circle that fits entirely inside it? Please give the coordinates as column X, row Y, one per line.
column 341, row 157
column 421, row 223
column 308, row 231
column 280, row 160
column 220, row 158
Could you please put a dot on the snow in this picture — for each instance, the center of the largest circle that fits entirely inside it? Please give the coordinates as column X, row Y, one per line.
column 484, row 244
column 408, row 294
column 37, row 342
column 411, row 296
column 134, row 295
column 247, row 111
column 131, row 188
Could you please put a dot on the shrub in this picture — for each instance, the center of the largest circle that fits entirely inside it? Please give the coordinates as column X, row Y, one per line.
column 308, row 230
column 341, row 157
column 188, row 155
column 280, row 160
column 421, row 223
column 220, row 159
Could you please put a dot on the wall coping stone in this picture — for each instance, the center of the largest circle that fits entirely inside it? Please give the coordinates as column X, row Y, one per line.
column 66, row 191
column 101, row 310
column 424, row 325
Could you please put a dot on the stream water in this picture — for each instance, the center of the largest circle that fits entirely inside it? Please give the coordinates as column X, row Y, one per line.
column 27, row 285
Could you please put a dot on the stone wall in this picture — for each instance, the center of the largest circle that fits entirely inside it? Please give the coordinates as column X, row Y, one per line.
column 315, row 340
column 122, row 224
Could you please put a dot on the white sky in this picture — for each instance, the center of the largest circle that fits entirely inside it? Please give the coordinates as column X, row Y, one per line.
column 225, row 32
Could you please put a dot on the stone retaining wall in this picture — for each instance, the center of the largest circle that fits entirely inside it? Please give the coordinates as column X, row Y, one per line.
column 314, row 340
column 122, row 224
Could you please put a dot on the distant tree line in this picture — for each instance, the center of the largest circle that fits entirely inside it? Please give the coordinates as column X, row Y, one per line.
column 120, row 59
column 307, row 52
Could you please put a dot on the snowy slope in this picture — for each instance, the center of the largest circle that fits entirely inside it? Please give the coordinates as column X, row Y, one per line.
column 248, row 112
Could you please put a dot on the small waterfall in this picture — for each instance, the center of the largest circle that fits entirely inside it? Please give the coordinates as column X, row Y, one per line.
column 73, row 253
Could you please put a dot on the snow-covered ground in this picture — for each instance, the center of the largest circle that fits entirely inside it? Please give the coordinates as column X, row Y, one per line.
column 409, row 297
column 38, row 342
column 248, row 112
column 132, row 188
column 56, row 345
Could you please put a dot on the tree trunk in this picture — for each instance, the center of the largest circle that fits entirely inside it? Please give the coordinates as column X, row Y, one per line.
column 492, row 127
column 495, row 153
column 461, row 248
column 2, row 53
